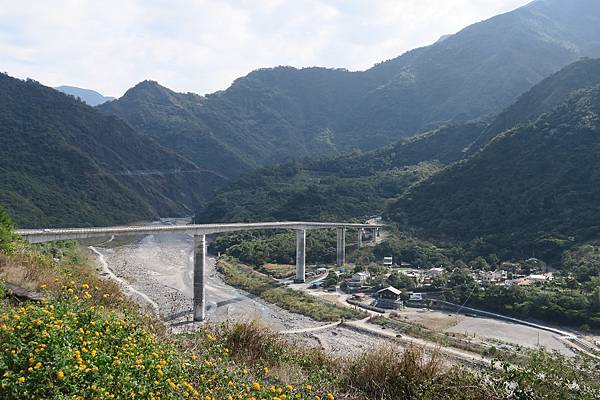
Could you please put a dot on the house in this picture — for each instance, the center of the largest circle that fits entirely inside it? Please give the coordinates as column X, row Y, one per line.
column 518, row 282
column 358, row 279
column 388, row 261
column 541, row 278
column 437, row 271
column 389, row 297
column 515, row 268
column 491, row 277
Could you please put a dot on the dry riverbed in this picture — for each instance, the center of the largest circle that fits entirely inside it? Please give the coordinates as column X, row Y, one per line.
column 160, row 267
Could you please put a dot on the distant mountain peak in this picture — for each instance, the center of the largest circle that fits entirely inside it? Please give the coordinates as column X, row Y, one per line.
column 88, row 96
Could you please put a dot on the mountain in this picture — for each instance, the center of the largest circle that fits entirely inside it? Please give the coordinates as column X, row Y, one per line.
column 181, row 123
column 63, row 163
column 351, row 186
column 533, row 190
column 373, row 178
column 273, row 115
column 542, row 98
column 90, row 97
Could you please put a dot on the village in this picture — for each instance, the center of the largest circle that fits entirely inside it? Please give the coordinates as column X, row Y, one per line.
column 389, row 285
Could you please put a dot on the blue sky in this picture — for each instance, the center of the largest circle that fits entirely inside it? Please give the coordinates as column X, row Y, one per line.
column 201, row 46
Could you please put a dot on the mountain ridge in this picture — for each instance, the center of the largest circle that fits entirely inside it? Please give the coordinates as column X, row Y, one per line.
column 272, row 115
column 63, row 163
column 534, row 188
column 88, row 96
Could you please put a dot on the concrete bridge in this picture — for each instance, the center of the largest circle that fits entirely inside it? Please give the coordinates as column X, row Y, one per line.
column 199, row 233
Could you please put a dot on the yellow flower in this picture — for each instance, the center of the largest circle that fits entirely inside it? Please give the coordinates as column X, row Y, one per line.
column 60, row 374
column 289, row 388
column 266, row 370
column 256, row 385
column 38, row 365
column 21, row 379
column 85, row 286
column 330, row 396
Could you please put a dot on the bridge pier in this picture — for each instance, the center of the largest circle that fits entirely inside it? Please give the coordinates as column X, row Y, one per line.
column 341, row 246
column 300, row 256
column 360, row 237
column 199, row 260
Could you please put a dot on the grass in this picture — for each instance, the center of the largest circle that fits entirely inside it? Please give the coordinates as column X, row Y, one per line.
column 278, row 271
column 243, row 276
column 85, row 341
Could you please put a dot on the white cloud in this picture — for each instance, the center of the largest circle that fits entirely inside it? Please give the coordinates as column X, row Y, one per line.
column 203, row 45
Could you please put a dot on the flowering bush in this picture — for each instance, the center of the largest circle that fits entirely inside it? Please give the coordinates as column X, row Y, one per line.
column 70, row 347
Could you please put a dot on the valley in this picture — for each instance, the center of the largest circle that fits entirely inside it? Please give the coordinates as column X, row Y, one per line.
column 160, row 267
column 420, row 223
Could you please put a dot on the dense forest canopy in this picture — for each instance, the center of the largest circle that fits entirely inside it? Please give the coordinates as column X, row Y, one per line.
column 535, row 188
column 348, row 187
column 63, row 163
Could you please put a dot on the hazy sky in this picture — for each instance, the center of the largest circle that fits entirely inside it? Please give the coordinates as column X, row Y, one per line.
column 203, row 45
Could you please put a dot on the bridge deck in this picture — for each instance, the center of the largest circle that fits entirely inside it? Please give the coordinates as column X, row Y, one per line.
column 48, row 235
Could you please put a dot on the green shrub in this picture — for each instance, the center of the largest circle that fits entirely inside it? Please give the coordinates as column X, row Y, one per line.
column 7, row 235
column 69, row 348
column 244, row 277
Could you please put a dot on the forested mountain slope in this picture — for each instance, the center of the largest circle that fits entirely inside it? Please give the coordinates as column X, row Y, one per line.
column 534, row 189
column 63, row 163
column 542, row 98
column 272, row 115
column 352, row 186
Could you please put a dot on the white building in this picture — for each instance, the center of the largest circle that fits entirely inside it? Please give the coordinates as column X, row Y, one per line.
column 358, row 280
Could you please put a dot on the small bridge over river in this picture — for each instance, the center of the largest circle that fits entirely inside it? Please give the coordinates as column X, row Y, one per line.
column 199, row 232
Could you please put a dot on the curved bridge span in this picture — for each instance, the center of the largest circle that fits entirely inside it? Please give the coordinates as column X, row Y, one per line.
column 199, row 232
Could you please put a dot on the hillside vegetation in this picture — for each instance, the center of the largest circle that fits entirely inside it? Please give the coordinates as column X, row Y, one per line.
column 85, row 340
column 534, row 189
column 276, row 114
column 62, row 163
column 542, row 98
column 348, row 187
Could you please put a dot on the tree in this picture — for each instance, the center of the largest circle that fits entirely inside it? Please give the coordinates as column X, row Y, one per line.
column 439, row 281
column 401, row 281
column 479, row 263
column 494, row 260
column 7, row 235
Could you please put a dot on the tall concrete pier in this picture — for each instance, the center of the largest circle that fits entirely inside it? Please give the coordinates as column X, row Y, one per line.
column 199, row 271
column 341, row 246
column 300, row 256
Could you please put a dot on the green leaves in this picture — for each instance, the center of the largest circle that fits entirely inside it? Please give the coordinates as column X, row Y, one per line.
column 7, row 236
